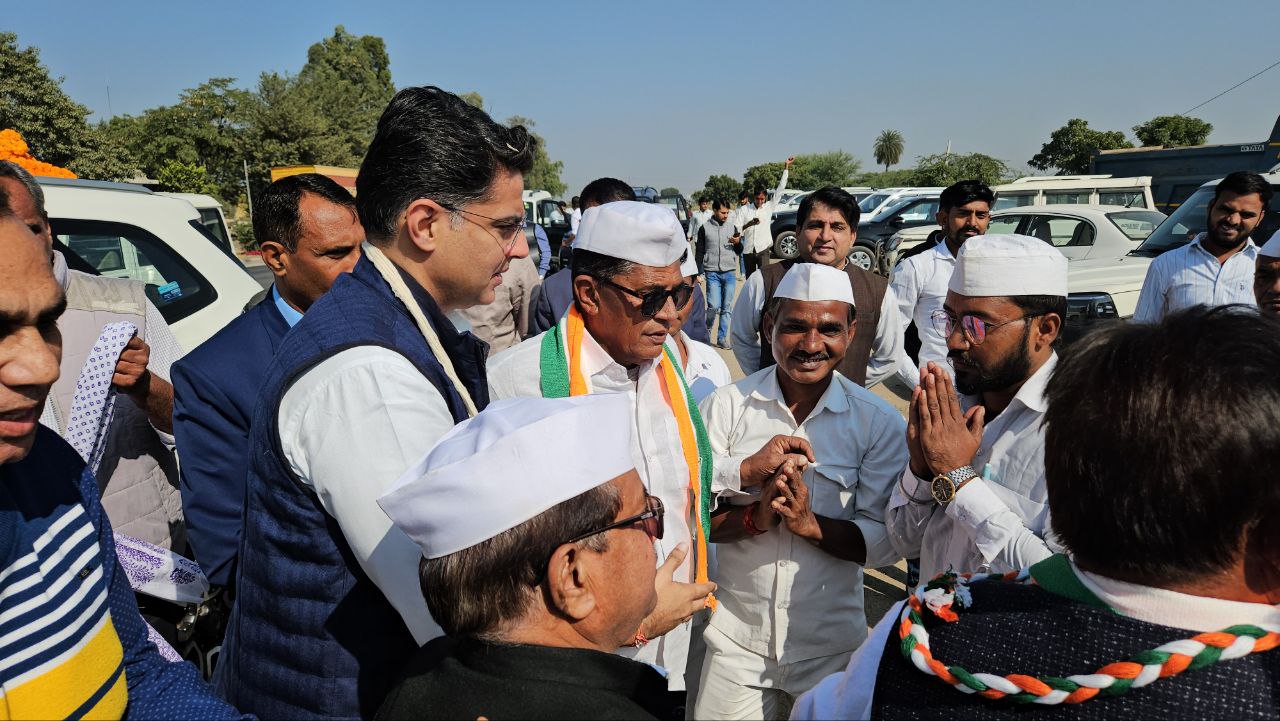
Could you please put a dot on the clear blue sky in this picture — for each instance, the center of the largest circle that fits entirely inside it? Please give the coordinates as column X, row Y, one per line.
column 667, row 93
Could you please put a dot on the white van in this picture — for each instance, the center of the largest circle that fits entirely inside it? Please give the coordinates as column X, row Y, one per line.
column 1075, row 190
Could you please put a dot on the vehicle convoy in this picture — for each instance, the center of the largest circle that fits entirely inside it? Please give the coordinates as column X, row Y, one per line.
column 126, row 231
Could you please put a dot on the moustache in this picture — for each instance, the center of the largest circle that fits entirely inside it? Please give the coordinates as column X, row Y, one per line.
column 806, row 357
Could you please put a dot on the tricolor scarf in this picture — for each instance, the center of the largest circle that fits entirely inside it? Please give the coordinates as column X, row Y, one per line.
column 561, row 376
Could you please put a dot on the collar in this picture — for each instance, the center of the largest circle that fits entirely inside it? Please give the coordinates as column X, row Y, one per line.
column 1250, row 249
column 60, row 270
column 290, row 314
column 942, row 250
column 833, row 400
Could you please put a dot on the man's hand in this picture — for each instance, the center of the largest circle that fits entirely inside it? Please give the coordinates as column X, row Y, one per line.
column 792, row 504
column 735, row 239
column 914, row 451
column 676, row 601
column 759, row 467
column 790, row 160
column 765, row 516
column 749, row 223
column 948, row 438
column 131, row 374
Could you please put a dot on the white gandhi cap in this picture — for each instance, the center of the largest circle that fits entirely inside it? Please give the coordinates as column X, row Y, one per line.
column 643, row 233
column 1001, row 265
column 815, row 282
column 1271, row 248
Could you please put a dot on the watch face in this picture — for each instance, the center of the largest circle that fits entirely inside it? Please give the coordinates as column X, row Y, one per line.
column 944, row 489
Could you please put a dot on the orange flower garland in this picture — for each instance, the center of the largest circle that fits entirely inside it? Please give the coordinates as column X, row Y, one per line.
column 14, row 148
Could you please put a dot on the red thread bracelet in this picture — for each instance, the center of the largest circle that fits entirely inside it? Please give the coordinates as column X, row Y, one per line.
column 748, row 521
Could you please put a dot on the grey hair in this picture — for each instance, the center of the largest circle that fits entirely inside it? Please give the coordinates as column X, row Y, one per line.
column 10, row 169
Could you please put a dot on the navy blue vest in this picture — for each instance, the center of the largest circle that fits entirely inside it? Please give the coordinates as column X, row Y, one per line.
column 311, row 636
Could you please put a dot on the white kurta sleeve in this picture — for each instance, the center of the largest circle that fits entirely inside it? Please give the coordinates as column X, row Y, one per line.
column 887, row 347
column 996, row 531
column 745, row 330
column 349, row 428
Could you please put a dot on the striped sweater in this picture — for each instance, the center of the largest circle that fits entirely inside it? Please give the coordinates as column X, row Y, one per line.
column 72, row 644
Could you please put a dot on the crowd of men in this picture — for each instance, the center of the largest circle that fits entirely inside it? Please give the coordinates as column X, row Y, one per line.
column 403, row 520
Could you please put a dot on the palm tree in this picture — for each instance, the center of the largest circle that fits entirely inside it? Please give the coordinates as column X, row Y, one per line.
column 888, row 148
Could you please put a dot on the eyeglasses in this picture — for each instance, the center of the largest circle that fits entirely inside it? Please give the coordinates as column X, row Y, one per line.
column 652, row 302
column 508, row 231
column 650, row 520
column 975, row 328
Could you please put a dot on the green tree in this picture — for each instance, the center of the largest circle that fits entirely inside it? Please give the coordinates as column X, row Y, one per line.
column 669, row 191
column 808, row 172
column 1173, row 130
column 349, row 78
column 944, row 169
column 722, row 187
column 545, row 174
column 473, row 98
column 54, row 126
column 888, row 148
column 178, row 177
column 886, row 179
column 1071, row 147
column 285, row 127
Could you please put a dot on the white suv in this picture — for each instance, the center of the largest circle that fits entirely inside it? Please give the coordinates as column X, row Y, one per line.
column 126, row 231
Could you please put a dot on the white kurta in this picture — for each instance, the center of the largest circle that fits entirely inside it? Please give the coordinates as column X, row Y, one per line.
column 658, row 454
column 704, row 370
column 759, row 238
column 920, row 286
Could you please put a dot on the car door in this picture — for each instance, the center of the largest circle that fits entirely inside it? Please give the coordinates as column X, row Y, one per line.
column 1071, row 235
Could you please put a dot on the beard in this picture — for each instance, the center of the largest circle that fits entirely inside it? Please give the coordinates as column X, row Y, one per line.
column 1009, row 371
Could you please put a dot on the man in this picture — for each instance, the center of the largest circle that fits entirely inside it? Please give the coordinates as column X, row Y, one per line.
column 718, row 246
column 790, row 556
column 628, row 288
column 1174, row 564
column 575, row 216
column 1266, row 279
column 309, row 233
column 537, row 584
column 557, row 291
column 755, row 222
column 1216, row 267
column 76, row 645
column 827, row 221
column 360, row 388
column 138, row 473
column 700, row 216
column 973, row 498
column 505, row 322
column 920, row 282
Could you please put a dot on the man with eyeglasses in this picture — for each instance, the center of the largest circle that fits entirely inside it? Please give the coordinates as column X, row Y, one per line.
column 328, row 606
column 537, row 582
column 629, row 287
column 973, row 498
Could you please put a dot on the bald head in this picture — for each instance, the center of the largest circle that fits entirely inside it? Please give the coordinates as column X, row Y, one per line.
column 30, row 346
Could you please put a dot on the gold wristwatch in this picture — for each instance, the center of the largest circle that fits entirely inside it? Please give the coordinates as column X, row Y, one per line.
column 947, row 485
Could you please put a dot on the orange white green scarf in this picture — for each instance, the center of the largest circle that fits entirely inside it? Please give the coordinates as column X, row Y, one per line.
column 561, row 376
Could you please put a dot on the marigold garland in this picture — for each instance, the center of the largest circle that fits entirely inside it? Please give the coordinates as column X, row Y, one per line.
column 14, row 148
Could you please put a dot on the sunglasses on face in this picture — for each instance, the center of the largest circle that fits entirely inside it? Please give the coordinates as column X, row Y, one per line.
column 652, row 302
column 650, row 521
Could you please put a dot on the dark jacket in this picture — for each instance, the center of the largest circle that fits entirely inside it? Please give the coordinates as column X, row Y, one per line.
column 215, row 388
column 557, row 293
column 464, row 678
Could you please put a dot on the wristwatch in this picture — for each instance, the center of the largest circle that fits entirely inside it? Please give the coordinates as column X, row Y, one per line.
column 947, row 485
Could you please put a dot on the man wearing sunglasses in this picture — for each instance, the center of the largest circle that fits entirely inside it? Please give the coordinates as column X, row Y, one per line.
column 536, row 581
column 974, row 497
column 629, row 287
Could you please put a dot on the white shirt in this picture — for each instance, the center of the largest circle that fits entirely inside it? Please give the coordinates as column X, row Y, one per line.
column 704, row 370
column 699, row 217
column 745, row 331
column 575, row 217
column 920, row 285
column 1191, row 275
column 656, row 448
column 780, row 596
column 998, row 522
column 850, row 695
column 758, row 238
column 396, row 416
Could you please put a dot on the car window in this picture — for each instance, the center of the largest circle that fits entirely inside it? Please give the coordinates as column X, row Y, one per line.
column 1005, row 224
column 528, row 211
column 921, row 210
column 1137, row 224
column 119, row 250
column 551, row 213
column 1016, row 200
column 1061, row 232
column 1066, row 197
column 1125, row 198
column 871, row 202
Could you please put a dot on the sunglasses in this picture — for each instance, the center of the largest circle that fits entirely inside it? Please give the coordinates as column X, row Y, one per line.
column 975, row 328
column 652, row 302
column 650, row 520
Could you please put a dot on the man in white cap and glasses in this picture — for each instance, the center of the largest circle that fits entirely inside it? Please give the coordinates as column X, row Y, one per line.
column 1266, row 276
column 974, row 498
column 537, row 561
column 808, row 458
column 628, row 288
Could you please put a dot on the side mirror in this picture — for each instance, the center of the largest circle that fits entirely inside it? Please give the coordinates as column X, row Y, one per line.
column 897, row 221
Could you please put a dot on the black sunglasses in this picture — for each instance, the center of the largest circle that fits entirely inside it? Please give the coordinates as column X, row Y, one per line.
column 651, row 520
column 652, row 302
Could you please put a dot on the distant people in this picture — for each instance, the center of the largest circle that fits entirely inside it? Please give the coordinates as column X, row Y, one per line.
column 826, row 223
column 973, row 497
column 699, row 216
column 1165, row 605
column 1217, row 267
column 307, row 228
column 537, row 584
column 1266, row 279
column 138, row 471
column 811, row 457
column 575, row 215
column 740, row 215
column 704, row 369
column 505, row 322
column 755, row 224
column 718, row 246
column 328, row 606
column 76, row 645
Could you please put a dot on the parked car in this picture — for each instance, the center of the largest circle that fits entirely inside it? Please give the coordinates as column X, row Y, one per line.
column 791, row 199
column 1075, row 190
column 877, row 202
column 910, row 210
column 540, row 208
column 680, row 207
column 126, row 231
column 211, row 216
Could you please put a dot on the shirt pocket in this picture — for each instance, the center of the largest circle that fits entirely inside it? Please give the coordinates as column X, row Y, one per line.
column 831, row 489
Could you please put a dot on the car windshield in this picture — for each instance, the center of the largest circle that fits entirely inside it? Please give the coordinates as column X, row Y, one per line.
column 892, row 208
column 1190, row 219
column 870, row 202
column 1137, row 224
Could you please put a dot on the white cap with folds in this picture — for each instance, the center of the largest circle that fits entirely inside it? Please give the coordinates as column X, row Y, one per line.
column 990, row 265
column 513, row 461
column 644, row 233
column 689, row 266
column 1271, row 248
column 814, row 281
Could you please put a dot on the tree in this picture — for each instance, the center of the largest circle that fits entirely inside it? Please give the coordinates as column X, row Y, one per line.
column 808, row 172
column 54, row 126
column 545, row 174
column 473, row 99
column 286, row 128
column 669, row 191
column 1173, row 130
column 886, row 179
column 178, row 177
column 719, row 187
column 888, row 148
column 349, row 78
column 1071, row 147
column 945, row 169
